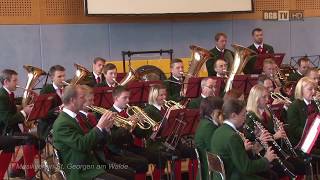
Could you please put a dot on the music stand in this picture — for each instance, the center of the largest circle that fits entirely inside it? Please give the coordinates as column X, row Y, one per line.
column 41, row 106
column 251, row 81
column 136, row 92
column 193, row 88
column 103, row 97
column 40, row 110
column 240, row 83
column 192, row 118
column 310, row 134
column 277, row 57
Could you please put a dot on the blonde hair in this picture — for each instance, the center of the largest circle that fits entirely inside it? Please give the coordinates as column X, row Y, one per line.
column 301, row 83
column 254, row 95
column 154, row 93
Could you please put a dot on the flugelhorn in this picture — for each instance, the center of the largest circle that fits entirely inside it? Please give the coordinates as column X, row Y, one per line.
column 144, row 122
column 118, row 120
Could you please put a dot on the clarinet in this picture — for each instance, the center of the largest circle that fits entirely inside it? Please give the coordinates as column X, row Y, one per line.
column 274, row 143
column 277, row 126
column 265, row 147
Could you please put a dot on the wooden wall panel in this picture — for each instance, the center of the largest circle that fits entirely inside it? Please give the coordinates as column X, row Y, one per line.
column 72, row 12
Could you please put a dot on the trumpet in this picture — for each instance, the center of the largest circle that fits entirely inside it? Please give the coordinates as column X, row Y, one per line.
column 118, row 120
column 279, row 96
column 145, row 122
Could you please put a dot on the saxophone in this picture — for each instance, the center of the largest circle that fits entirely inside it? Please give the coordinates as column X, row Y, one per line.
column 277, row 126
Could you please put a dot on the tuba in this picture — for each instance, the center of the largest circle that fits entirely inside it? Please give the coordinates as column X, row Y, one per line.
column 198, row 57
column 130, row 76
column 28, row 97
column 241, row 57
column 81, row 74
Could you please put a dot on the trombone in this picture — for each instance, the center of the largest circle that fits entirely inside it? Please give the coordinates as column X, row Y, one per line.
column 279, row 96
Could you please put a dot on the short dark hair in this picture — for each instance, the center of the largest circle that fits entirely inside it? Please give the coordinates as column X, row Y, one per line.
column 219, row 34
column 108, row 67
column 118, row 90
column 176, row 60
column 256, row 30
column 55, row 68
column 262, row 78
column 304, row 58
column 6, row 74
column 97, row 59
column 209, row 104
column 232, row 106
column 219, row 59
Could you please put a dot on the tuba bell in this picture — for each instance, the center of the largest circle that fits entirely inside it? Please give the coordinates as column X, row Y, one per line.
column 198, row 57
column 241, row 57
column 28, row 97
column 80, row 75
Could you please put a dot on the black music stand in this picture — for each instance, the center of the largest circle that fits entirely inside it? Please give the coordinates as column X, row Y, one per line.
column 40, row 110
column 277, row 57
column 103, row 97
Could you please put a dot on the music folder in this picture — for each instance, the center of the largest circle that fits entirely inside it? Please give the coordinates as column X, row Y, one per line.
column 310, row 134
column 41, row 106
column 277, row 57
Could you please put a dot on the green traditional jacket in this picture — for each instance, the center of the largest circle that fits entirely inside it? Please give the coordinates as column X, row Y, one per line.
column 195, row 103
column 76, row 148
column 229, row 146
column 215, row 54
column 297, row 115
column 250, row 67
column 173, row 89
column 46, row 123
column 202, row 138
column 9, row 116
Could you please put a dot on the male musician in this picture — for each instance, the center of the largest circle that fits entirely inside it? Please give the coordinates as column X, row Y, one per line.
column 110, row 73
column 303, row 66
column 175, row 81
column 57, row 74
column 9, row 120
column 219, row 52
column 74, row 146
column 313, row 74
column 97, row 77
column 226, row 143
column 87, row 120
column 208, row 88
column 220, row 66
column 259, row 47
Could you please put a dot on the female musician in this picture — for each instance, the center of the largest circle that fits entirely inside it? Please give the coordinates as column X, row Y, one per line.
column 258, row 113
column 156, row 109
column 301, row 108
column 211, row 118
